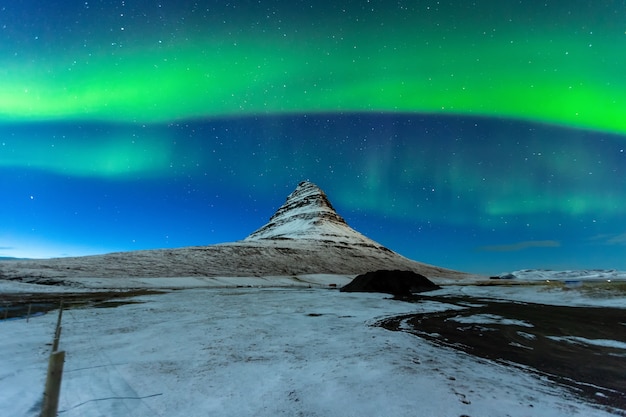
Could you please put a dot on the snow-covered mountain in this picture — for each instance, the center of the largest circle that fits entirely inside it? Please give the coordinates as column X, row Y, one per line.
column 308, row 214
column 304, row 236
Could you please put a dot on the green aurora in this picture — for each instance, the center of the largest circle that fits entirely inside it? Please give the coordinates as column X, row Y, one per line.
column 559, row 70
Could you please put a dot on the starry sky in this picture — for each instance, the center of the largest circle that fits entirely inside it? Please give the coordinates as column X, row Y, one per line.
column 482, row 136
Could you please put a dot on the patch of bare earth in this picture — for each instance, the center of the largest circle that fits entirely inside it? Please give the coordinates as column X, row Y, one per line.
column 554, row 341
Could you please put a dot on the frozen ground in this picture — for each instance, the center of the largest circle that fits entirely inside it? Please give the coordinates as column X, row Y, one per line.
column 262, row 352
column 96, row 284
column 582, row 275
column 542, row 294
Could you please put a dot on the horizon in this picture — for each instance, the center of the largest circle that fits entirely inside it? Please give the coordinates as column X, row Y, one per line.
column 482, row 137
column 509, row 251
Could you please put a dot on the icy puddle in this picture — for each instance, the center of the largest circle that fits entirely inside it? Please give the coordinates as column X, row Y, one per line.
column 578, row 347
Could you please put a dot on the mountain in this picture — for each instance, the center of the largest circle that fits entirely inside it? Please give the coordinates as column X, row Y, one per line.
column 308, row 215
column 304, row 236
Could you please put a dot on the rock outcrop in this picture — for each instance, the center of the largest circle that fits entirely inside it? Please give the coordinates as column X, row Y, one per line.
column 398, row 283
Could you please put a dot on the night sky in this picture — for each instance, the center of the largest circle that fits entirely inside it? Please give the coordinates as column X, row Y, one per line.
column 482, row 136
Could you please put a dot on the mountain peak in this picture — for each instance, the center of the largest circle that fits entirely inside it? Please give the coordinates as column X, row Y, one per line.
column 308, row 214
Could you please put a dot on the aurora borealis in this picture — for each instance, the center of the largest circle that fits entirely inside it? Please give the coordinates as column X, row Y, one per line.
column 145, row 61
column 484, row 136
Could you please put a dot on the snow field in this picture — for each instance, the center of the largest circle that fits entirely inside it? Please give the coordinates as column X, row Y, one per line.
column 262, row 352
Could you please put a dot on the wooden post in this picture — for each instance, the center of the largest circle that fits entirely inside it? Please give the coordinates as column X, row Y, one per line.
column 60, row 314
column 57, row 337
column 28, row 314
column 53, row 385
column 57, row 331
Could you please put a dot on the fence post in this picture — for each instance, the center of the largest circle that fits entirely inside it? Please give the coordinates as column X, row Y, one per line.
column 60, row 314
column 57, row 337
column 57, row 331
column 53, row 385
column 52, row 390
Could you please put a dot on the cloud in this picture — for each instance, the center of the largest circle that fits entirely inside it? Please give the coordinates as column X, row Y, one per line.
column 513, row 247
column 610, row 239
column 617, row 239
column 5, row 255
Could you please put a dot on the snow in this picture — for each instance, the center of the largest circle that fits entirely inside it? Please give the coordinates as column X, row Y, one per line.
column 596, row 342
column 527, row 335
column 489, row 319
column 262, row 352
column 298, row 228
column 306, row 228
column 538, row 293
column 94, row 284
column 567, row 275
column 307, row 214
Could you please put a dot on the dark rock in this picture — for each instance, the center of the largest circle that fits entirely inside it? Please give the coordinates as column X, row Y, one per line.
column 398, row 283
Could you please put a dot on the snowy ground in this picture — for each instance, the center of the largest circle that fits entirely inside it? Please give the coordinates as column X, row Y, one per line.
column 261, row 352
column 94, row 284
column 594, row 295
column 580, row 275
